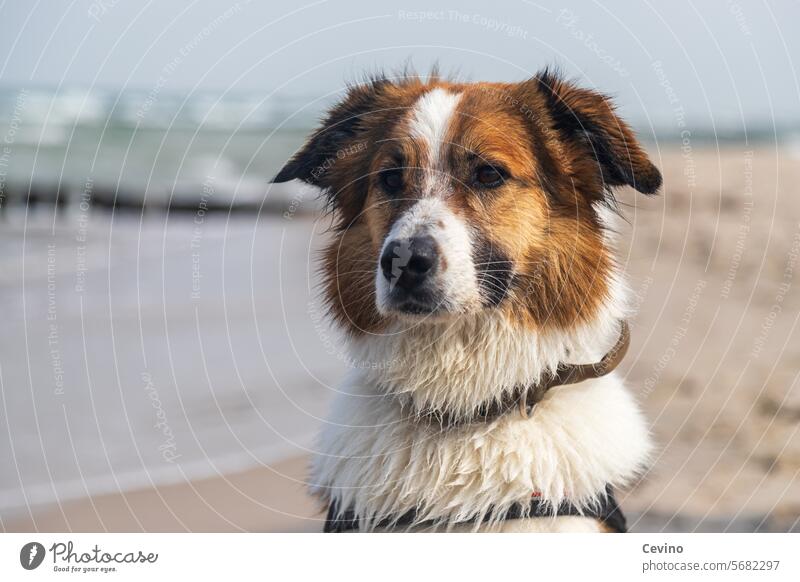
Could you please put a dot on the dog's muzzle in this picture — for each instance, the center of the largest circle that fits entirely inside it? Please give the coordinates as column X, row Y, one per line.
column 409, row 266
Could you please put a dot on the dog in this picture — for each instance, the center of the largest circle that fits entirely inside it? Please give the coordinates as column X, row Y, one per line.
column 473, row 272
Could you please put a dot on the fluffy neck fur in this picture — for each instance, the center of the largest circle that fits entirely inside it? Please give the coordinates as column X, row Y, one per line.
column 458, row 366
column 580, row 438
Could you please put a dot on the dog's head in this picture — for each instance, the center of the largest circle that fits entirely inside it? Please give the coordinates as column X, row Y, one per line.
column 454, row 198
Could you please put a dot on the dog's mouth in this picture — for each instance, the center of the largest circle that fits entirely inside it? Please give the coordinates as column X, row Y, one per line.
column 415, row 303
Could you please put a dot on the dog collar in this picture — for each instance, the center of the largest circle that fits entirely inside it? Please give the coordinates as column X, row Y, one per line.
column 526, row 398
column 606, row 510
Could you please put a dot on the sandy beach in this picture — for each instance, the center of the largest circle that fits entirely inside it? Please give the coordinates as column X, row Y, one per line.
column 712, row 265
column 265, row 499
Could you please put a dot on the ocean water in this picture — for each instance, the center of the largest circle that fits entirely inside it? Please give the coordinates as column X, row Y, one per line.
column 147, row 144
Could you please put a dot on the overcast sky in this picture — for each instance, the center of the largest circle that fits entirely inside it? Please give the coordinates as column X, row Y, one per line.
column 722, row 61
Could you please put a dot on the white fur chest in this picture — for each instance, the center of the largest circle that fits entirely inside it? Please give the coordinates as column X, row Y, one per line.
column 581, row 438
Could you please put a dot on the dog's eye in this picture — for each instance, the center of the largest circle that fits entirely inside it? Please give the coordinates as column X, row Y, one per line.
column 489, row 176
column 392, row 180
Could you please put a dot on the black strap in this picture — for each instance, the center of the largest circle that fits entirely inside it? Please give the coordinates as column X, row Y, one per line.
column 607, row 511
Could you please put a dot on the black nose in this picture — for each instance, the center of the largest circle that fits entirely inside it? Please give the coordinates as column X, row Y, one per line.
column 408, row 262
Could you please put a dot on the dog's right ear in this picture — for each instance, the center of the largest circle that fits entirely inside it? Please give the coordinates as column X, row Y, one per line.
column 588, row 120
column 328, row 154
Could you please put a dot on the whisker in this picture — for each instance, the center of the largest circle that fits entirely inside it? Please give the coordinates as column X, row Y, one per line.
column 342, row 273
column 495, row 286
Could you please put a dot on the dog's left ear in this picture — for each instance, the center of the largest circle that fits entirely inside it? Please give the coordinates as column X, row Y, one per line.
column 588, row 117
column 338, row 130
column 335, row 142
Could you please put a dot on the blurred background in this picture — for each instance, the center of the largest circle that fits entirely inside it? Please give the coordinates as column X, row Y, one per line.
column 164, row 357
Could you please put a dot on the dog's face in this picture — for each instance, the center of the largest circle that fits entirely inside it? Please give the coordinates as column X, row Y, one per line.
column 456, row 198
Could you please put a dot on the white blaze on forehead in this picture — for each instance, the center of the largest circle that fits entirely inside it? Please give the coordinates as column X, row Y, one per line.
column 455, row 281
column 431, row 117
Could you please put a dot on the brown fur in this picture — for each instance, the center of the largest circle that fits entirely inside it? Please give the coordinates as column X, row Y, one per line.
column 563, row 148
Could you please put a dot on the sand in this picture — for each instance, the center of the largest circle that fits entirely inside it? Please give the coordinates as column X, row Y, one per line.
column 264, row 499
column 715, row 350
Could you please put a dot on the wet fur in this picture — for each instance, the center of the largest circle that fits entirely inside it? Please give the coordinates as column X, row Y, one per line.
column 549, row 291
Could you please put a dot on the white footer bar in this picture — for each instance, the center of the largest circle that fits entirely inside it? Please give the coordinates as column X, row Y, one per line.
column 387, row 557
